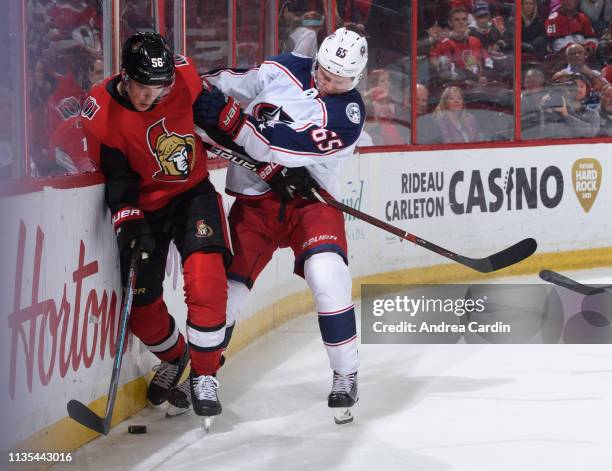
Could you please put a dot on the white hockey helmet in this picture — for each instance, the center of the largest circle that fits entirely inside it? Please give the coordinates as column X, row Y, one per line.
column 343, row 53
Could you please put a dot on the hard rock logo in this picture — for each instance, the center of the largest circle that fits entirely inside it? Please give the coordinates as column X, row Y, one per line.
column 586, row 178
column 203, row 229
column 174, row 153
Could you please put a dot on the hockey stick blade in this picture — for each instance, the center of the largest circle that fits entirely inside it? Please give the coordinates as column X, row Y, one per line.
column 505, row 258
column 567, row 283
column 79, row 411
column 86, row 417
column 502, row 259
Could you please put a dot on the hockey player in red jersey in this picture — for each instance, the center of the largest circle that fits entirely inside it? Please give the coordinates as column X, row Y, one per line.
column 140, row 129
column 302, row 119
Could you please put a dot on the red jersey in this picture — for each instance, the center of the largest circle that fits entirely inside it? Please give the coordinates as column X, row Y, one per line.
column 156, row 150
column 464, row 53
column 564, row 29
column 68, row 147
column 63, row 103
column 559, row 24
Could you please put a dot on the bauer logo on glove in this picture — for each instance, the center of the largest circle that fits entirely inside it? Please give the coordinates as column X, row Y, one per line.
column 214, row 108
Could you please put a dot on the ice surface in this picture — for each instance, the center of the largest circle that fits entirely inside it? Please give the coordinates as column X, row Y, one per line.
column 421, row 408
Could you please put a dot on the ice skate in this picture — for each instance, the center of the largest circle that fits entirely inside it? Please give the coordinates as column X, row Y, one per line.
column 204, row 398
column 343, row 396
column 179, row 399
column 167, row 375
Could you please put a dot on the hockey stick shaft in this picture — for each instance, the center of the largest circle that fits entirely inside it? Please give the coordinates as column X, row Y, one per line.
column 503, row 259
column 509, row 256
column 79, row 411
column 565, row 282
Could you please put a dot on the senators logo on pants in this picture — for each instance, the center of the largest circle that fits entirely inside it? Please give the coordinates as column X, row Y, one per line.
column 174, row 152
column 203, row 229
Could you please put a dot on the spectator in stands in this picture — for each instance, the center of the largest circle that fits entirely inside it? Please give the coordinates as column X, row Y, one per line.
column 460, row 56
column 604, row 48
column 594, row 10
column 422, row 99
column 302, row 38
column 384, row 127
column 54, row 98
column 494, row 40
column 567, row 26
column 432, row 28
column 454, row 122
column 428, row 131
column 532, row 33
column 488, row 34
column 576, row 56
column 96, row 73
column 379, row 78
column 569, row 109
column 395, row 83
column 605, row 114
column 531, row 99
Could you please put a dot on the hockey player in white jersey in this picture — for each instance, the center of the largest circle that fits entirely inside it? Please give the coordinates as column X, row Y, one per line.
column 300, row 118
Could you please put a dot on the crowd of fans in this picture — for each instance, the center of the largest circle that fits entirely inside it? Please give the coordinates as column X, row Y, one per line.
column 567, row 66
column 465, row 67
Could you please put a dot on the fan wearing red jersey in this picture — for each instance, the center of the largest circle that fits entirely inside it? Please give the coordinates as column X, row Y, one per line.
column 460, row 56
column 140, row 129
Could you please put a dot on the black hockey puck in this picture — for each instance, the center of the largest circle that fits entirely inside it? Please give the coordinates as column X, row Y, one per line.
column 137, row 429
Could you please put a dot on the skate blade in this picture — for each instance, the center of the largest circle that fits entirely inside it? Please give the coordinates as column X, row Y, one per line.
column 173, row 411
column 207, row 422
column 342, row 415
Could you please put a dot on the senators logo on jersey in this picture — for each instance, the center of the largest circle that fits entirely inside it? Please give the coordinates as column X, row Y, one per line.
column 174, row 152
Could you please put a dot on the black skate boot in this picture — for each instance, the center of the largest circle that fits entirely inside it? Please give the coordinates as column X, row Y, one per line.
column 204, row 397
column 179, row 399
column 166, row 377
column 343, row 396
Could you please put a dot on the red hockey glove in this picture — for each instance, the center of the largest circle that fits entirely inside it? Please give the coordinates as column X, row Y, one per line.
column 133, row 232
column 214, row 108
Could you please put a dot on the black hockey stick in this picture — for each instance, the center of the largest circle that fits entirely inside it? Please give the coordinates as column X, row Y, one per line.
column 509, row 256
column 79, row 411
column 565, row 282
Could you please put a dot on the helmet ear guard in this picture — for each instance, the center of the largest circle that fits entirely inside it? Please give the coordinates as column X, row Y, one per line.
column 343, row 53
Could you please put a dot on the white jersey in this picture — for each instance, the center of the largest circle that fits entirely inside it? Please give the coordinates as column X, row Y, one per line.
column 289, row 124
